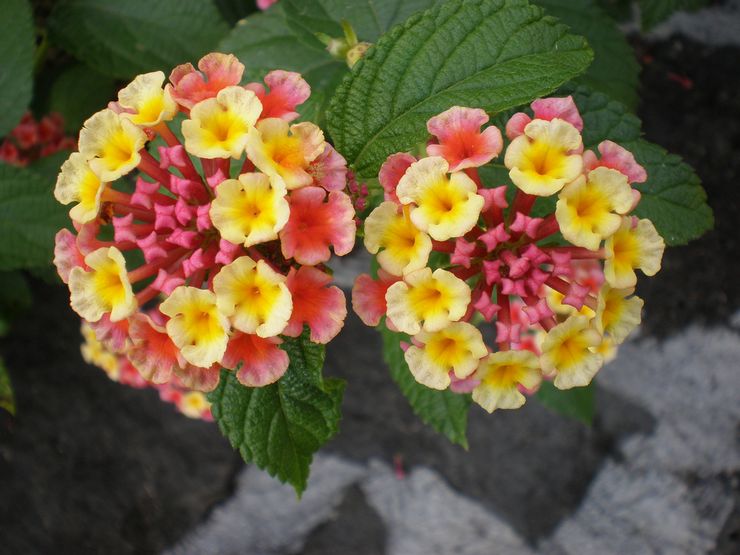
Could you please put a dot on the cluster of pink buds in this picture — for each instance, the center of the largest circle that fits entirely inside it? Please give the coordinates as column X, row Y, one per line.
column 31, row 140
column 217, row 247
column 558, row 291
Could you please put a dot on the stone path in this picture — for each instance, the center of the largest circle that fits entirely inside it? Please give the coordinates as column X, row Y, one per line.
column 661, row 492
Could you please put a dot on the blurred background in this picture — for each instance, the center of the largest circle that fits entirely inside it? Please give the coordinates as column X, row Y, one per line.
column 90, row 466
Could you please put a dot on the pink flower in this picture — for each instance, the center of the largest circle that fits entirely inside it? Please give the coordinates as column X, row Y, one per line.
column 287, row 90
column 617, row 158
column 152, row 352
column 315, row 225
column 368, row 296
column 329, row 170
column 316, row 304
column 392, row 171
column 546, row 109
column 264, row 4
column 460, row 140
column 262, row 361
column 67, row 254
column 217, row 71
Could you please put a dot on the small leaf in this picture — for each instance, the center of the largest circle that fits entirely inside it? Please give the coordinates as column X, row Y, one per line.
column 577, row 403
column 653, row 12
column 480, row 53
column 7, row 399
column 29, row 218
column 278, row 427
column 122, row 39
column 16, row 53
column 615, row 70
column 445, row 411
column 78, row 93
column 672, row 198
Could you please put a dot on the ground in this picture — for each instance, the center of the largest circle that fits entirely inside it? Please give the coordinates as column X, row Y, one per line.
column 89, row 466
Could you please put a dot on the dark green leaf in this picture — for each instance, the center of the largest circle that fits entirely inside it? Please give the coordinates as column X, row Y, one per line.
column 234, row 10
column 615, row 70
column 445, row 411
column 15, row 295
column 577, row 403
column 480, row 53
column 122, row 39
column 369, row 18
column 278, row 427
column 16, row 69
column 78, row 93
column 7, row 400
column 29, row 218
column 653, row 12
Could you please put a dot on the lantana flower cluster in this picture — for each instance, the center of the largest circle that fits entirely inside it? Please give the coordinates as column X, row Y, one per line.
column 31, row 139
column 554, row 294
column 217, row 246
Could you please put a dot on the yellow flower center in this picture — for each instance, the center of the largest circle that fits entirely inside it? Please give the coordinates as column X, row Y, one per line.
column 544, row 159
column 504, row 376
column 118, row 149
column 108, row 284
column 285, row 151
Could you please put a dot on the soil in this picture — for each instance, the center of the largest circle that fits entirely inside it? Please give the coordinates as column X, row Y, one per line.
column 89, row 466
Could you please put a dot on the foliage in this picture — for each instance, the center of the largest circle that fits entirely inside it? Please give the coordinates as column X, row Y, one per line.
column 280, row 426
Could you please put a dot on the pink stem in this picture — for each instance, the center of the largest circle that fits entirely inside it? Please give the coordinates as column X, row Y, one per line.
column 504, row 316
column 150, row 166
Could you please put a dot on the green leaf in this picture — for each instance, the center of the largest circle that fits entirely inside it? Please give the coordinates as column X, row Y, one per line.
column 234, row 10
column 653, row 12
column 264, row 42
column 7, row 399
column 615, row 70
column 29, row 218
column 278, row 427
column 369, row 18
column 122, row 39
column 672, row 198
column 78, row 93
column 577, row 403
column 16, row 70
column 481, row 53
column 445, row 411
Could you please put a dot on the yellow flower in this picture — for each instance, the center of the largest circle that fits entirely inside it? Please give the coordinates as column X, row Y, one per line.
column 445, row 206
column 567, row 354
column 589, row 211
column 249, row 210
column 457, row 348
column 284, row 152
column 103, row 289
column 426, row 300
column 78, row 183
column 111, row 144
column 500, row 375
column 554, row 300
column 218, row 127
column 150, row 102
column 253, row 296
column 196, row 325
column 616, row 314
column 607, row 349
column 405, row 248
column 95, row 353
column 193, row 403
column 544, row 158
column 631, row 248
